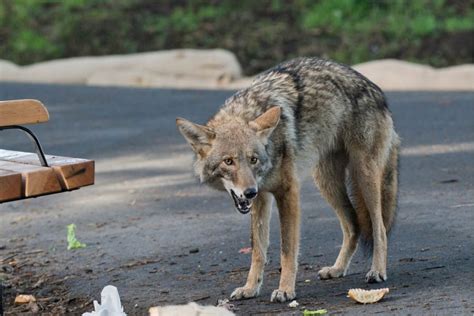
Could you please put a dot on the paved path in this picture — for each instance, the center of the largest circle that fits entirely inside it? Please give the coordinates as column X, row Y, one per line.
column 158, row 236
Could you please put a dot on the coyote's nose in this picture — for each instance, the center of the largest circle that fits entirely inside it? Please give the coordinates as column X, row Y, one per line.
column 250, row 193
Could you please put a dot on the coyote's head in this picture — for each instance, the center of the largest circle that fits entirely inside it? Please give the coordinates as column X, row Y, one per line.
column 231, row 153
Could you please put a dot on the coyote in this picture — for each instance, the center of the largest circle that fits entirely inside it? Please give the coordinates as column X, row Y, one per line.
column 304, row 113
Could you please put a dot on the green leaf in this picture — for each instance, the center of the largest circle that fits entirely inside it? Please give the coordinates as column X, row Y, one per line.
column 72, row 242
column 307, row 312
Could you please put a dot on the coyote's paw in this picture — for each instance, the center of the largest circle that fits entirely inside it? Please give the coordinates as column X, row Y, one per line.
column 330, row 272
column 374, row 276
column 241, row 293
column 280, row 296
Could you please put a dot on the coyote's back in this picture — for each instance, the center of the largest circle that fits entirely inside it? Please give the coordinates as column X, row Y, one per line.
column 327, row 108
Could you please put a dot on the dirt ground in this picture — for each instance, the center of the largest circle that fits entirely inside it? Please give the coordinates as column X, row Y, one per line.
column 160, row 238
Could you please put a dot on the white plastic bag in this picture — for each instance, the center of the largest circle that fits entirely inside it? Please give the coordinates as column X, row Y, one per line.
column 109, row 303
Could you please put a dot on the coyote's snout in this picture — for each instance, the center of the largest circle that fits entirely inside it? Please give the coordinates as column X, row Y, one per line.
column 242, row 200
column 303, row 112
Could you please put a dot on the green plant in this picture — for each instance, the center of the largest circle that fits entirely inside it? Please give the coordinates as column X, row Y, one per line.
column 260, row 33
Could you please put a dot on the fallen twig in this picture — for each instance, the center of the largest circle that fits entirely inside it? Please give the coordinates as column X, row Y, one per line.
column 435, row 267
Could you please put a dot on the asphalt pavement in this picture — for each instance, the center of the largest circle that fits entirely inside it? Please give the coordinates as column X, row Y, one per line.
column 161, row 238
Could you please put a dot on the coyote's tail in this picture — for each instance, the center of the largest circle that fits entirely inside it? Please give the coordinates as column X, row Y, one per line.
column 390, row 188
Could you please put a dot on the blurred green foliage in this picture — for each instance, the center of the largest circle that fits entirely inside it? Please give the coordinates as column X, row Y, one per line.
column 260, row 33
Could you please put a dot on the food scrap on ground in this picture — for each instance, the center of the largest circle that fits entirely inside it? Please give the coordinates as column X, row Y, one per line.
column 72, row 242
column 294, row 304
column 367, row 296
column 307, row 312
column 24, row 299
column 191, row 309
column 245, row 250
column 225, row 303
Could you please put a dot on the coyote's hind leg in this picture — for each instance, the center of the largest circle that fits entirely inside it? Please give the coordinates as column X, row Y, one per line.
column 329, row 175
column 368, row 175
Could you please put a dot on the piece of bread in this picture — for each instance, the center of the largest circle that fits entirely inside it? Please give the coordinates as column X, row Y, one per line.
column 367, row 296
column 191, row 309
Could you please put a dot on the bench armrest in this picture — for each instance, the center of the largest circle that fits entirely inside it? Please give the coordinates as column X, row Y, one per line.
column 20, row 112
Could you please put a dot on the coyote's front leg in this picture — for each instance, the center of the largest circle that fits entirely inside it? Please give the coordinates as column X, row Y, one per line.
column 260, row 238
column 287, row 197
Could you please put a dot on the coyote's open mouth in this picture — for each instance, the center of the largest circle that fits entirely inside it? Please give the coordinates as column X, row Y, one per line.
column 242, row 205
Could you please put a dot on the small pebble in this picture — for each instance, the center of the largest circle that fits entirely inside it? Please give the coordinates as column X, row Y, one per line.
column 194, row 250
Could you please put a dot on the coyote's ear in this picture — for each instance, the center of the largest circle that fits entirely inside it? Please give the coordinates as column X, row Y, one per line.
column 266, row 123
column 198, row 136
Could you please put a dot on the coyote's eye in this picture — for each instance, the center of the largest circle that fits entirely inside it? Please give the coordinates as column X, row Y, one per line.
column 253, row 160
column 228, row 161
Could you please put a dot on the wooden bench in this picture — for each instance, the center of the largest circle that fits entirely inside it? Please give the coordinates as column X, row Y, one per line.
column 25, row 175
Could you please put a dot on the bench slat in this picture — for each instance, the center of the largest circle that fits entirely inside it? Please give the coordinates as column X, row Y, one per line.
column 10, row 185
column 20, row 112
column 72, row 173
column 36, row 180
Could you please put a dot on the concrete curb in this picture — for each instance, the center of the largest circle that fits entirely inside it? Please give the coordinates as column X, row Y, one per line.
column 391, row 74
column 216, row 69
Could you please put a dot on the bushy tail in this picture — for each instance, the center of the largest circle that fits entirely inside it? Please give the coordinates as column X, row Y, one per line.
column 390, row 189
column 389, row 199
